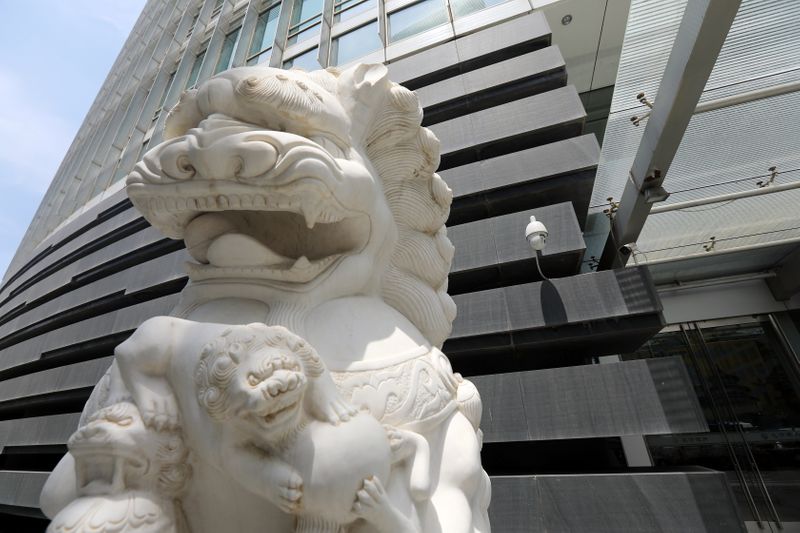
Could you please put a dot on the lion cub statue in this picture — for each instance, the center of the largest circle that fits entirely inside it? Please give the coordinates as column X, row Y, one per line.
column 252, row 380
column 257, row 403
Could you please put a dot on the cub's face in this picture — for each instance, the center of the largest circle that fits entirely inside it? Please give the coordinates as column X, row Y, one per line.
column 268, row 393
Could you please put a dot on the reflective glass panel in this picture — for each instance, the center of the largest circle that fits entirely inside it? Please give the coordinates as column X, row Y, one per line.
column 748, row 386
column 355, row 44
column 198, row 62
column 263, row 57
column 416, row 18
column 306, row 16
column 305, row 9
column 306, row 61
column 350, row 8
column 264, row 35
column 465, row 7
column 226, row 54
column 313, row 29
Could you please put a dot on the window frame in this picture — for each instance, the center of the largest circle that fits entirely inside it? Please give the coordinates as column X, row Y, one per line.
column 251, row 57
column 352, row 29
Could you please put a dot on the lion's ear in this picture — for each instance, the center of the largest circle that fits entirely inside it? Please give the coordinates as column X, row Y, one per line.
column 361, row 90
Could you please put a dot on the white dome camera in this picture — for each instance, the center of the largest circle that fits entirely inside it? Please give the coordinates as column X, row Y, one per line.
column 536, row 234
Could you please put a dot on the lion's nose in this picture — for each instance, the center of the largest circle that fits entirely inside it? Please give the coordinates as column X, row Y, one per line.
column 227, row 159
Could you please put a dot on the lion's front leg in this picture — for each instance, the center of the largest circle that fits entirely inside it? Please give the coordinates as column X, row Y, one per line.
column 264, row 475
column 412, row 447
column 144, row 361
column 325, row 403
column 459, row 500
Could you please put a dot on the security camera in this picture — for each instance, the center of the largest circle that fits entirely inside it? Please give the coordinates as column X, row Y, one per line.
column 628, row 249
column 536, row 234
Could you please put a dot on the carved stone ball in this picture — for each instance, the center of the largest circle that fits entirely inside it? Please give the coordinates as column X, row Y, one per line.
column 334, row 461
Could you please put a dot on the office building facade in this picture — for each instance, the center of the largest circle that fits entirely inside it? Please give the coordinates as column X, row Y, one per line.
column 593, row 420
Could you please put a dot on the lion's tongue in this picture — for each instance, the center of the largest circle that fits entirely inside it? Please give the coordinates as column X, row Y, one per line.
column 238, row 250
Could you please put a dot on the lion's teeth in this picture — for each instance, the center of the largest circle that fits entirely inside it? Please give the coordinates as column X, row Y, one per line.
column 302, row 263
column 311, row 213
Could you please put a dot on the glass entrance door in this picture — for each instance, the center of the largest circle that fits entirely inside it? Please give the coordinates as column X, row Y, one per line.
column 747, row 379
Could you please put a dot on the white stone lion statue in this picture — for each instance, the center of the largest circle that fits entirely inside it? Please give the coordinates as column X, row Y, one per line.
column 309, row 201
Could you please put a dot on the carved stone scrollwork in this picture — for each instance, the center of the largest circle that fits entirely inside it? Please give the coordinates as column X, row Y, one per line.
column 128, row 477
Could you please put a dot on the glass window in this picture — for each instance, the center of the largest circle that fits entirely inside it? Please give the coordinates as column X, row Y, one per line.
column 226, row 54
column 198, row 62
column 306, row 61
column 346, row 9
column 465, row 7
column 416, row 18
column 191, row 25
column 748, row 385
column 264, row 36
column 355, row 44
column 306, row 18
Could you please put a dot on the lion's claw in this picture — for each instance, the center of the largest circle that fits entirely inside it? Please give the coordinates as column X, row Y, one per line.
column 400, row 444
column 370, row 500
column 341, row 411
column 161, row 414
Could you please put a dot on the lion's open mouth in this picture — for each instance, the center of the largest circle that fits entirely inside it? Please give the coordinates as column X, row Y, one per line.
column 273, row 235
column 271, row 418
column 284, row 395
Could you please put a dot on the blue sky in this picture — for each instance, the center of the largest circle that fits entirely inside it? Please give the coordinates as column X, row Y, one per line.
column 54, row 56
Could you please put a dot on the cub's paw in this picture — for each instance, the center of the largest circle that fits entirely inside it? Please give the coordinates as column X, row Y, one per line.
column 289, row 494
column 399, row 442
column 326, row 404
column 160, row 412
column 371, row 502
column 341, row 411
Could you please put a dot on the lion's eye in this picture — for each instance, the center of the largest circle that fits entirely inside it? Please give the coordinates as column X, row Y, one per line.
column 253, row 380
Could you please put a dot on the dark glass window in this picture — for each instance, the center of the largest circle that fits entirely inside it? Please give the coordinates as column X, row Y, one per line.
column 306, row 61
column 355, row 44
column 226, row 54
column 416, row 18
column 264, row 35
